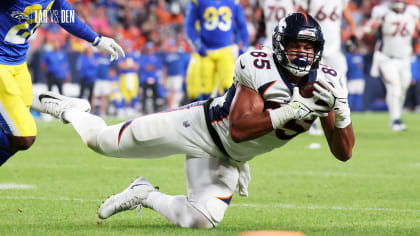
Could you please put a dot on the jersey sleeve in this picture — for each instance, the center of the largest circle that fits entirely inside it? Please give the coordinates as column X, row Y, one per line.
column 414, row 12
column 190, row 19
column 244, row 73
column 77, row 28
column 379, row 12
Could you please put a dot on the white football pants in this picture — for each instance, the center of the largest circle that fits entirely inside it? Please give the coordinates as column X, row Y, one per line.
column 211, row 181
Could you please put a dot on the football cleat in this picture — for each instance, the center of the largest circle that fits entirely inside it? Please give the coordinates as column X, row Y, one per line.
column 55, row 104
column 397, row 125
column 130, row 198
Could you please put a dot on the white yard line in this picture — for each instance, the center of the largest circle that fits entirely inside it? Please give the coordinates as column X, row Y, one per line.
column 15, row 186
column 247, row 205
column 281, row 172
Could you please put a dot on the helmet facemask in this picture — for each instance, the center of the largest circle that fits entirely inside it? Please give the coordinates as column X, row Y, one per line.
column 303, row 62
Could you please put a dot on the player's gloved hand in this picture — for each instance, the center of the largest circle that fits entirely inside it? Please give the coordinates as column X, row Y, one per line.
column 299, row 108
column 200, row 48
column 110, row 46
column 336, row 98
column 306, row 108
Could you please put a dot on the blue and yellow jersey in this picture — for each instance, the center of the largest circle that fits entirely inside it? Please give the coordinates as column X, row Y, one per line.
column 217, row 21
column 20, row 18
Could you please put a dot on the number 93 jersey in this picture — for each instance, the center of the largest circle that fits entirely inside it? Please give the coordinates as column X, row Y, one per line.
column 19, row 20
column 259, row 71
column 217, row 19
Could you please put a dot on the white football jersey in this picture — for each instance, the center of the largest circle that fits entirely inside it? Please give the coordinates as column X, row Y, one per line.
column 328, row 13
column 397, row 30
column 257, row 70
column 274, row 11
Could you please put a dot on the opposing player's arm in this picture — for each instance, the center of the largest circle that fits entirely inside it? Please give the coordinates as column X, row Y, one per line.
column 373, row 24
column 340, row 140
column 79, row 29
column 241, row 24
column 348, row 17
column 247, row 119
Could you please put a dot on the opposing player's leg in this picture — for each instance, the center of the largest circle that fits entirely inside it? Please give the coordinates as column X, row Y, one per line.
column 225, row 66
column 211, row 183
column 207, row 74
column 193, row 79
column 18, row 128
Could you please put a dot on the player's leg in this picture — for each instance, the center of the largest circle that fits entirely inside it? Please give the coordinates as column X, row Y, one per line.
column 392, row 81
column 211, row 183
column 193, row 80
column 207, row 74
column 18, row 128
column 405, row 75
column 225, row 67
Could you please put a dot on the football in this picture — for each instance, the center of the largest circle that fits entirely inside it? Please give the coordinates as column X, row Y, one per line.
column 307, row 90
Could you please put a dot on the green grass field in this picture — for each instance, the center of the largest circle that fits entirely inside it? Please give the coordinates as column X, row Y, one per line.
column 377, row 192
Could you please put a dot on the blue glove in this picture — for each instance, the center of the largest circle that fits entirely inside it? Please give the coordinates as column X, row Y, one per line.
column 200, row 48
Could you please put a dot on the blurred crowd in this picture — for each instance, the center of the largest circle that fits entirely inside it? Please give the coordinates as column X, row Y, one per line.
column 152, row 35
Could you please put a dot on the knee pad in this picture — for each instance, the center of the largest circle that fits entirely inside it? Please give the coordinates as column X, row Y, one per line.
column 107, row 141
column 216, row 209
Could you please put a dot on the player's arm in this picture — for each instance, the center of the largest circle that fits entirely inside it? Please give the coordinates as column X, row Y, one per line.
column 190, row 28
column 372, row 25
column 79, row 29
column 348, row 17
column 247, row 119
column 241, row 26
column 337, row 125
column 340, row 140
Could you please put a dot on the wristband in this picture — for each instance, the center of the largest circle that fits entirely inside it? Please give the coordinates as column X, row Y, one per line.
column 282, row 115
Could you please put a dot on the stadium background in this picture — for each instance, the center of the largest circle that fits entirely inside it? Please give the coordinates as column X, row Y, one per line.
column 135, row 23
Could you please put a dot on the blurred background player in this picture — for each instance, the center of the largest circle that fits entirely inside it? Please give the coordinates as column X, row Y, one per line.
column 102, row 88
column 329, row 14
column 355, row 77
column 87, row 66
column 396, row 22
column 56, row 65
column 129, row 80
column 150, row 79
column 213, row 43
column 18, row 128
column 274, row 11
column 175, row 64
column 412, row 102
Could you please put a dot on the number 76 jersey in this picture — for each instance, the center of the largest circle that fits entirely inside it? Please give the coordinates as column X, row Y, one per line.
column 259, row 71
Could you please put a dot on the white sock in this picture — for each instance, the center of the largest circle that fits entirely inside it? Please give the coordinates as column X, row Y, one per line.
column 86, row 125
column 178, row 210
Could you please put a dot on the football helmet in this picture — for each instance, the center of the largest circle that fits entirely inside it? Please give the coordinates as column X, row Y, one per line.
column 298, row 26
column 398, row 4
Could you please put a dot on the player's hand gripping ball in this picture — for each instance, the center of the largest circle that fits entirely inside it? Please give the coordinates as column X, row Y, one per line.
column 307, row 90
